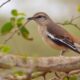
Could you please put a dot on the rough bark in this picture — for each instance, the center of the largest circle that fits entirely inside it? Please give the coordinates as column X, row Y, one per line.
column 41, row 64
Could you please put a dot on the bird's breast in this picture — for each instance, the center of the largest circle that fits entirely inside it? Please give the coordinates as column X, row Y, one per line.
column 42, row 31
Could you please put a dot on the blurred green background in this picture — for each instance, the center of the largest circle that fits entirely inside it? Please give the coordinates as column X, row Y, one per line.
column 58, row 10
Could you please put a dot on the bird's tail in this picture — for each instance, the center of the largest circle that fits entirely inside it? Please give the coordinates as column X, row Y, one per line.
column 77, row 45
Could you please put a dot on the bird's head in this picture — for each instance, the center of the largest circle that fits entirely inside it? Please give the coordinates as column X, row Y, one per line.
column 41, row 18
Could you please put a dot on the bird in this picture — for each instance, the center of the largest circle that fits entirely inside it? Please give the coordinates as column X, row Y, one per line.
column 55, row 35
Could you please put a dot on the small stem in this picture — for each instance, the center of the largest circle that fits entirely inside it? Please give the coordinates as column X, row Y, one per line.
column 4, row 3
column 75, row 18
column 56, row 74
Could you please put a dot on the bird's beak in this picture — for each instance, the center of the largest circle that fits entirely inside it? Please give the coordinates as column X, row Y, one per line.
column 30, row 18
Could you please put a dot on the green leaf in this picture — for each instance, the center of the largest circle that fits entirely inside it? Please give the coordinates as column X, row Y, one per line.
column 19, row 73
column 6, row 28
column 20, row 21
column 14, row 12
column 71, row 78
column 65, row 78
column 25, row 33
column 5, row 49
column 78, row 8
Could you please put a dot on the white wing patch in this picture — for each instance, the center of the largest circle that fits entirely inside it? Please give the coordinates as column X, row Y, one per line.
column 50, row 35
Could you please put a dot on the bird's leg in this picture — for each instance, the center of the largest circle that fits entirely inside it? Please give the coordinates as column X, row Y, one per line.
column 62, row 52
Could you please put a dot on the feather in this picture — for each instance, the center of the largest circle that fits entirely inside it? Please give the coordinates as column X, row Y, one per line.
column 64, row 42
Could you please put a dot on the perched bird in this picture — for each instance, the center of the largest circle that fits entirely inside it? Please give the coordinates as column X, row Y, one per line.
column 55, row 35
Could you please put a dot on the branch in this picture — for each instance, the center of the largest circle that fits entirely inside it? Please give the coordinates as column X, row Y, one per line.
column 41, row 64
column 4, row 3
column 73, row 19
column 71, row 22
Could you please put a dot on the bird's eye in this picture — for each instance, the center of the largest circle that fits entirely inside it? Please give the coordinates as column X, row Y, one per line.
column 39, row 16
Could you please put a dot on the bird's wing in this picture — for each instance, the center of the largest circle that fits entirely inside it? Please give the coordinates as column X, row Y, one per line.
column 61, row 37
column 63, row 41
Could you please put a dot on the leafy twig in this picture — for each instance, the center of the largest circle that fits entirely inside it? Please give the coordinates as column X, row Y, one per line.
column 14, row 33
column 4, row 3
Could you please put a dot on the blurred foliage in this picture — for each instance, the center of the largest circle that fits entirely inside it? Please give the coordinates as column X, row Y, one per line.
column 78, row 8
column 5, row 49
column 18, row 73
column 6, row 28
column 16, row 21
column 71, row 78
column 14, row 12
column 25, row 33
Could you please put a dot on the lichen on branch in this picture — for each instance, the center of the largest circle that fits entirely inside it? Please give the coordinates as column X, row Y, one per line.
column 43, row 65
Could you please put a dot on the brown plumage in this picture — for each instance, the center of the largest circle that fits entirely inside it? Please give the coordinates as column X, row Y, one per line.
column 55, row 35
